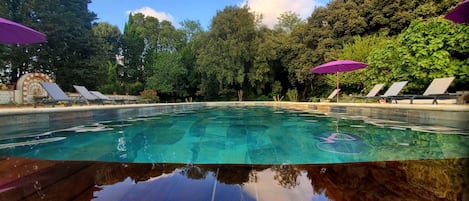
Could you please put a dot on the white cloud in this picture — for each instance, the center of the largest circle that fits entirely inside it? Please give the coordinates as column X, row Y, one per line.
column 147, row 11
column 272, row 9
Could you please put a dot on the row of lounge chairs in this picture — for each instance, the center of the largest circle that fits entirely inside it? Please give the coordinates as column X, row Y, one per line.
column 435, row 91
column 56, row 96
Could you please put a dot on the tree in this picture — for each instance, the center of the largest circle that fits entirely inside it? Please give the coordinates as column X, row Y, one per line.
column 72, row 52
column 167, row 72
column 288, row 21
column 191, row 28
column 133, row 50
column 433, row 49
column 360, row 50
column 109, row 38
column 229, row 52
column 18, row 60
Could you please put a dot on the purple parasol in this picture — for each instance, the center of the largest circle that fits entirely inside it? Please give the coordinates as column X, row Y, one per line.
column 460, row 14
column 338, row 66
column 14, row 33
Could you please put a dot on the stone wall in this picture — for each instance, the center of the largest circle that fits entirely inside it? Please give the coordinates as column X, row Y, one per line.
column 7, row 97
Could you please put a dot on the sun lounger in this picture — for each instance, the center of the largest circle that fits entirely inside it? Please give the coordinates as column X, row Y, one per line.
column 331, row 96
column 372, row 94
column 106, row 98
column 436, row 90
column 393, row 91
column 87, row 96
column 55, row 95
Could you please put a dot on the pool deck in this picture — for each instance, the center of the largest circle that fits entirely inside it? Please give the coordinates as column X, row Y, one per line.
column 432, row 107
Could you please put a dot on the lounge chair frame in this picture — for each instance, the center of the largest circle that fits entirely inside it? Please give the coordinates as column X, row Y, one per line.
column 372, row 94
column 87, row 96
column 55, row 95
column 435, row 91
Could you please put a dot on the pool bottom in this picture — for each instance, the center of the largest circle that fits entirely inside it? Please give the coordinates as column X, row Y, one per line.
column 29, row 179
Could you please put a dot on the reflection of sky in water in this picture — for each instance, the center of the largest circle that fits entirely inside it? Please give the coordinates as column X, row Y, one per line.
column 267, row 188
column 241, row 136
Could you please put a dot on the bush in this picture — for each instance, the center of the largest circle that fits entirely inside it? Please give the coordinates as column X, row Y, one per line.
column 134, row 88
column 292, row 95
column 149, row 95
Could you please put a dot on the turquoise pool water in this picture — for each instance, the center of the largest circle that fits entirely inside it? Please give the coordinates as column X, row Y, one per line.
column 238, row 135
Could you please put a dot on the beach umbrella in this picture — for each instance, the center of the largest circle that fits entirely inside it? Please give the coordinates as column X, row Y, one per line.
column 338, row 66
column 460, row 14
column 14, row 33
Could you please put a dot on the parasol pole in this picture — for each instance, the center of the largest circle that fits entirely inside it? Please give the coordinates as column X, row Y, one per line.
column 337, row 88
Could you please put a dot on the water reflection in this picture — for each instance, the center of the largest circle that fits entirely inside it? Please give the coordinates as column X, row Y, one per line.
column 394, row 180
column 340, row 142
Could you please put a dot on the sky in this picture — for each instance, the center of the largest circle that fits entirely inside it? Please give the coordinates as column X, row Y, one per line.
column 176, row 11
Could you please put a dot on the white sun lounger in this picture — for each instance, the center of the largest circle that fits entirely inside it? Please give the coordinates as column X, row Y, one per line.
column 436, row 90
column 372, row 94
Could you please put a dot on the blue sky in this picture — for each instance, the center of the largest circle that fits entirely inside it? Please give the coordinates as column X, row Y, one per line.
column 116, row 12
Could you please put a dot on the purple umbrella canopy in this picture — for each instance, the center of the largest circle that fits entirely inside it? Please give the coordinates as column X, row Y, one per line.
column 14, row 33
column 460, row 14
column 338, row 66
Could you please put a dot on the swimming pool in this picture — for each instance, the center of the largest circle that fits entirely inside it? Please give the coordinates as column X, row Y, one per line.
column 235, row 135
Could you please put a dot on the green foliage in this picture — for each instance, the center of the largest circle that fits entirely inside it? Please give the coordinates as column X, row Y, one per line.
column 385, row 65
column 133, row 88
column 71, row 54
column 227, row 53
column 433, row 49
column 360, row 50
column 167, row 73
column 149, row 95
column 292, row 95
column 109, row 38
column 288, row 21
column 237, row 53
column 276, row 89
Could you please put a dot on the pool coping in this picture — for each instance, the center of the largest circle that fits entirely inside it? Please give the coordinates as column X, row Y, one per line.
column 430, row 107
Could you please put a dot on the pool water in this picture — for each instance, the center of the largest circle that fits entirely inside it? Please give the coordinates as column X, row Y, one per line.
column 238, row 135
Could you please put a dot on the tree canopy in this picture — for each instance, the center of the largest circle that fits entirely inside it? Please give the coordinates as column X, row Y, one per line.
column 400, row 40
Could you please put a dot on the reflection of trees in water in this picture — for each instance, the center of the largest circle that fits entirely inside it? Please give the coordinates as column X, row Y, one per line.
column 237, row 174
column 394, row 180
column 227, row 174
column 286, row 175
column 445, row 178
column 193, row 172
column 111, row 173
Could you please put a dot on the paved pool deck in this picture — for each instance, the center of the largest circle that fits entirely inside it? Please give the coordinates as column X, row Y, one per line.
column 15, row 110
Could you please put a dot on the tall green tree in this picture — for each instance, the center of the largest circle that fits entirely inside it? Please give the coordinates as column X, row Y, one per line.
column 228, row 54
column 71, row 54
column 192, row 31
column 133, row 50
column 167, row 72
column 109, row 37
